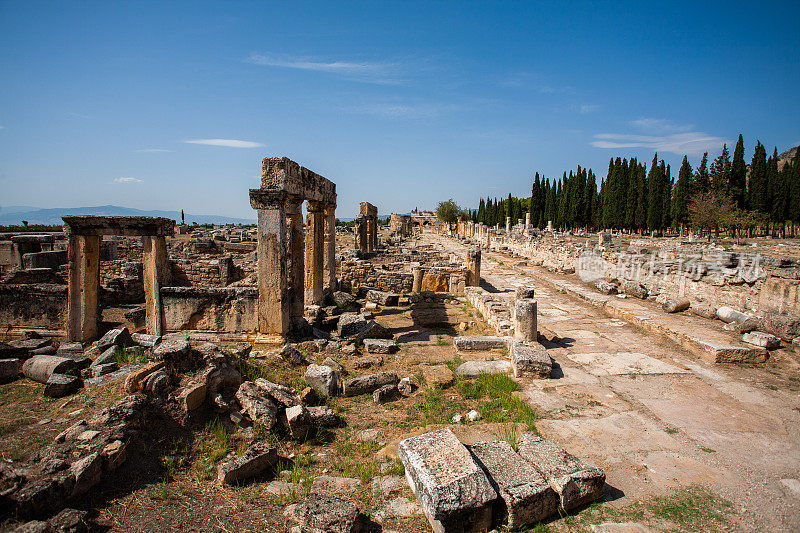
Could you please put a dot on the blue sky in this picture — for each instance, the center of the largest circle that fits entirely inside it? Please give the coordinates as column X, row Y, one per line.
column 172, row 105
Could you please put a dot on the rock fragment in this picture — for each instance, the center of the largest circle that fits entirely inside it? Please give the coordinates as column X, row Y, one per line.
column 532, row 361
column 257, row 458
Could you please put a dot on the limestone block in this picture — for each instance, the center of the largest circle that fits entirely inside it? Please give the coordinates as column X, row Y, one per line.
column 676, row 305
column 9, row 370
column 59, row 385
column 434, row 282
column 605, row 287
column 525, row 496
column 257, row 405
column 322, row 379
column 39, row 368
column 480, row 343
column 86, row 473
column 193, row 396
column 472, row 369
column 385, row 394
column 380, row 346
column 114, row 337
column 102, row 370
column 634, row 289
column 764, row 340
column 257, row 458
column 787, row 327
column 280, row 394
column 452, row 489
column 325, row 513
column 727, row 314
column 146, row 341
column 70, row 347
column 530, row 360
column 383, row 298
column 368, row 383
column 114, row 454
column 108, row 356
column 575, row 482
column 437, row 375
column 298, row 421
column 323, row 416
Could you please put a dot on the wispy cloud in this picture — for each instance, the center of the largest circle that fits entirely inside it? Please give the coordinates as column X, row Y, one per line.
column 585, row 109
column 403, row 111
column 127, row 180
column 2, row 127
column 688, row 143
column 660, row 125
column 152, row 150
column 229, row 143
column 362, row 71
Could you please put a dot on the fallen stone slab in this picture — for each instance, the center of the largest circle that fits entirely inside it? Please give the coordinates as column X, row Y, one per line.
column 123, row 372
column 279, row 393
column 175, row 352
column 325, row 513
column 472, row 369
column 368, row 383
column 481, row 343
column 530, row 360
column 86, row 472
column 39, row 368
column 322, row 379
column 727, row 314
column 383, row 298
column 81, row 361
column 525, row 496
column 575, row 482
column 59, row 385
column 257, row 405
column 293, row 355
column 114, row 337
column 452, row 489
column 45, row 350
column 323, row 416
column 29, row 345
column 298, row 421
column 787, row 327
column 108, row 356
column 146, row 341
column 134, row 380
column 193, row 396
column 9, row 370
column 676, row 305
column 343, row 300
column 380, row 346
column 764, row 340
column 386, row 394
column 69, row 521
column 257, row 458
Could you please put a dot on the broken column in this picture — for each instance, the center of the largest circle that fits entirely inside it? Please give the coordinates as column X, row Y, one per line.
column 474, row 267
column 416, row 272
column 527, row 221
column 83, row 306
column 371, row 214
column 452, row 489
column 508, row 226
column 314, row 252
column 525, row 317
column 360, row 234
column 156, row 272
column 329, row 261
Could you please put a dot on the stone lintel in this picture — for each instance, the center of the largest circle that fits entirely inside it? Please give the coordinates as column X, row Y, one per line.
column 283, row 174
column 366, row 208
column 267, row 198
column 126, row 226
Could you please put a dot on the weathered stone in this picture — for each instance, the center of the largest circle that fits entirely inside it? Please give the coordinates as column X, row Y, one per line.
column 114, row 337
column 59, row 385
column 335, row 484
column 9, row 370
column 727, row 314
column 472, row 369
column 751, row 324
column 383, row 298
column 530, row 360
column 30, row 344
column 325, row 513
column 298, row 421
column 525, row 320
column 524, row 293
column 257, row 458
column 173, row 351
column 406, row 386
column 437, row 375
column 323, row 416
column 282, row 395
column 322, row 379
column 343, row 300
column 380, row 346
column 39, row 368
column 368, row 383
column 45, row 350
column 12, row 352
column 108, row 356
column 764, row 340
column 368, row 361
column 293, row 355
column 676, row 305
column 703, row 309
column 102, row 370
column 634, row 289
column 452, row 489
column 86, row 473
column 481, row 343
column 435, row 282
column 525, row 496
column 350, row 324
column 386, row 394
column 34, row 526
column 575, row 482
column 68, row 521
column 146, row 341
column 193, row 396
column 605, row 287
column 257, row 405
column 473, row 416
column 114, row 454
column 787, row 327
column 133, row 380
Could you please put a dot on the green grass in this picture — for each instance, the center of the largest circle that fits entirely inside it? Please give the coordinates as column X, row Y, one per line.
column 434, row 408
column 131, row 354
column 503, row 405
column 695, row 508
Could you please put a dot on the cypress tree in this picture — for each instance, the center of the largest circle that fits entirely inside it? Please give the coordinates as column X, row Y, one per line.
column 481, row 218
column 680, row 214
column 632, row 194
column 669, row 183
column 738, row 177
column 655, row 202
column 702, row 181
column 720, row 171
column 757, row 192
column 641, row 201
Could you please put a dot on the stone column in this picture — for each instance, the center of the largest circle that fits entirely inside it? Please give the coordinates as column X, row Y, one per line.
column 273, row 267
column 296, row 252
column 525, row 320
column 416, row 271
column 83, row 306
column 508, row 225
column 155, row 270
column 372, row 234
column 360, row 231
column 474, row 267
column 527, row 221
column 329, row 266
column 314, row 252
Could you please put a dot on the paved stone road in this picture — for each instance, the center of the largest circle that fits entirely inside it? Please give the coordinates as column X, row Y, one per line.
column 655, row 416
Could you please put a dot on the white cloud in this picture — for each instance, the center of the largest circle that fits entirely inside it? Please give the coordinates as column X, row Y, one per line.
column 229, row 143
column 403, row 111
column 127, row 180
column 688, row 143
column 363, row 71
column 152, row 150
column 660, row 125
column 2, row 127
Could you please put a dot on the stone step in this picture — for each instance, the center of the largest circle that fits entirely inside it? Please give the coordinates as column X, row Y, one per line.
column 480, row 343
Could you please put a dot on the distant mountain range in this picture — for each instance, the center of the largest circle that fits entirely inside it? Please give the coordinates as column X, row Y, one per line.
column 15, row 214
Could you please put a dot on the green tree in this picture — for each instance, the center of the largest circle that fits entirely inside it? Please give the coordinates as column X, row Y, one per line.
column 702, row 180
column 655, row 193
column 738, row 176
column 757, row 190
column 720, row 171
column 448, row 211
column 680, row 213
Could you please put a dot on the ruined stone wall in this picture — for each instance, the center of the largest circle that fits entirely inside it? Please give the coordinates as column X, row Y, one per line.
column 204, row 273
column 367, row 274
column 33, row 306
column 702, row 273
column 228, row 309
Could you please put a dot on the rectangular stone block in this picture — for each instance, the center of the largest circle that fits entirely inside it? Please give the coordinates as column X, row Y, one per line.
column 452, row 489
column 530, row 360
column 473, row 344
column 525, row 496
column 575, row 482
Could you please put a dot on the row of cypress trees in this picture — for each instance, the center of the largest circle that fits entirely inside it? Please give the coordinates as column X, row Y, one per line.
column 633, row 198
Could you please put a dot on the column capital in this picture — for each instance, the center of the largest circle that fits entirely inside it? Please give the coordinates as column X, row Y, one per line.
column 313, row 206
column 267, row 198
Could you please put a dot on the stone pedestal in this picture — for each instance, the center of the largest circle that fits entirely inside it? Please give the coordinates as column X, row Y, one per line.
column 525, row 320
column 474, row 268
column 156, row 275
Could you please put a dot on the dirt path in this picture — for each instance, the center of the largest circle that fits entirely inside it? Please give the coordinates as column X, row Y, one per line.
column 657, row 417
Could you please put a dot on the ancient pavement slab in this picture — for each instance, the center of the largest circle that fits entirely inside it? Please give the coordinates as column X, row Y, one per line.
column 620, row 363
column 452, row 489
